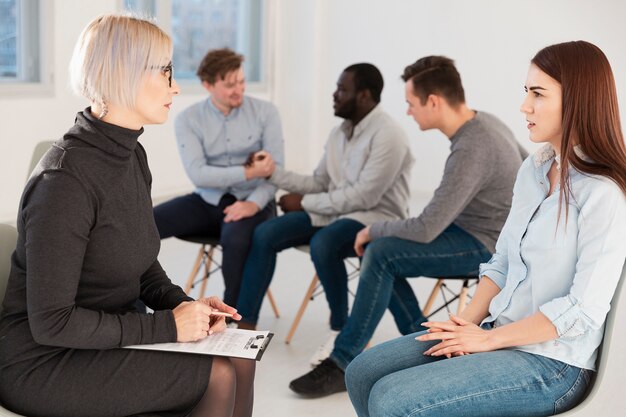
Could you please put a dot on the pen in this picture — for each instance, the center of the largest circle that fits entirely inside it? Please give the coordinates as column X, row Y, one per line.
column 221, row 313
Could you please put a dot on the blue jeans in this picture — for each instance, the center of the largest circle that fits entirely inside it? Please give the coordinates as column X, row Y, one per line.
column 386, row 264
column 191, row 215
column 330, row 245
column 396, row 379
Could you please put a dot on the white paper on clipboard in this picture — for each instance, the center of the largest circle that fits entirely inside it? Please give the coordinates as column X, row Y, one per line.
column 237, row 343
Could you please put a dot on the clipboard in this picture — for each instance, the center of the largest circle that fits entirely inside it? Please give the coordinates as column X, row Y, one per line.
column 236, row 343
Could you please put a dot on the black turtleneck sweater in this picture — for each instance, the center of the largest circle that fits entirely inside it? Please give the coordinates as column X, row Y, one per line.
column 87, row 249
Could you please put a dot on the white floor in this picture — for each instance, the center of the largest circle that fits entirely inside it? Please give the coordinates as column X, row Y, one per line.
column 282, row 363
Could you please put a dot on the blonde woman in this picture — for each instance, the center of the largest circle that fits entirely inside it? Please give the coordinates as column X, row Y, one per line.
column 87, row 249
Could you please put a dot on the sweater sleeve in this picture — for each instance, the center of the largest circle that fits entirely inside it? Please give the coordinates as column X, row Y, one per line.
column 464, row 175
column 157, row 290
column 58, row 215
column 385, row 159
column 302, row 184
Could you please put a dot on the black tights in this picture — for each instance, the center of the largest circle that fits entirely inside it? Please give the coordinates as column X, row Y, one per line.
column 230, row 392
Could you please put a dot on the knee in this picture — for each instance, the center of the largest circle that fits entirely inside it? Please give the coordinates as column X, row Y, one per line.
column 322, row 250
column 357, row 371
column 385, row 400
column 265, row 234
column 233, row 241
column 244, row 366
column 380, row 248
column 379, row 254
column 223, row 374
column 353, row 375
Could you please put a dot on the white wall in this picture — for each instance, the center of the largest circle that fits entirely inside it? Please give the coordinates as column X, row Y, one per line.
column 491, row 41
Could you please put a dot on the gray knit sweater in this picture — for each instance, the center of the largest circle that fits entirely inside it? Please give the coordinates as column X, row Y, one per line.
column 476, row 189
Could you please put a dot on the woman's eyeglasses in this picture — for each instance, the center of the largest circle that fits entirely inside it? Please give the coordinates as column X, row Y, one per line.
column 167, row 70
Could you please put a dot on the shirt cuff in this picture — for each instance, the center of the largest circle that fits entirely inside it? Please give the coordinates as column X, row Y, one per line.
column 260, row 201
column 308, row 203
column 376, row 230
column 567, row 316
column 489, row 269
column 276, row 175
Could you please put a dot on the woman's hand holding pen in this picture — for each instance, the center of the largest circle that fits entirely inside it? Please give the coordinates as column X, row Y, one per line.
column 196, row 320
column 221, row 310
column 192, row 321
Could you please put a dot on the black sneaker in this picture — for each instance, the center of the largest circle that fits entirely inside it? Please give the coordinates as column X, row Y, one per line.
column 325, row 379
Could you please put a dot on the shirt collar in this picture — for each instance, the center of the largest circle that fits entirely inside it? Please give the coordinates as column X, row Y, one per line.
column 543, row 155
column 346, row 126
column 219, row 113
column 546, row 153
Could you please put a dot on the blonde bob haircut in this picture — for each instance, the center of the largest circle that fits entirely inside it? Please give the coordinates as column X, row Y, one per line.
column 113, row 54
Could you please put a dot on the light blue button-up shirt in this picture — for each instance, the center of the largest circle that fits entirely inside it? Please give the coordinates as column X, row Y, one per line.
column 568, row 272
column 214, row 147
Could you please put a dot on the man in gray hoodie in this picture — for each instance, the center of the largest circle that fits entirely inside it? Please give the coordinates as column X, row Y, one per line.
column 456, row 231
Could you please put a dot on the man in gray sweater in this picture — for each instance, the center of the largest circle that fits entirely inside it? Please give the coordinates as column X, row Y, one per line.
column 362, row 179
column 456, row 231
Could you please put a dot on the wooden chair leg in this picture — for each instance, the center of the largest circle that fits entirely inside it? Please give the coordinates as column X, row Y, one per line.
column 432, row 297
column 305, row 302
column 270, row 297
column 208, row 261
column 194, row 271
column 463, row 297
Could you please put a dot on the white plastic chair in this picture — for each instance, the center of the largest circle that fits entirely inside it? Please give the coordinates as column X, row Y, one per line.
column 8, row 239
column 605, row 398
column 40, row 149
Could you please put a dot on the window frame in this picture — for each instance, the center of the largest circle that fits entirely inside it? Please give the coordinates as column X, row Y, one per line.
column 44, row 63
column 193, row 86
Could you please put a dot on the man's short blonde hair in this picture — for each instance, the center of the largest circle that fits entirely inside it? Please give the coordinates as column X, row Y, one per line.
column 113, row 54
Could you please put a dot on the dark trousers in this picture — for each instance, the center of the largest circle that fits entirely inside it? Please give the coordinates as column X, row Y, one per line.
column 191, row 215
column 330, row 245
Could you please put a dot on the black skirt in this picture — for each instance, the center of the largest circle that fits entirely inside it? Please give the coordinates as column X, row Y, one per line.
column 106, row 383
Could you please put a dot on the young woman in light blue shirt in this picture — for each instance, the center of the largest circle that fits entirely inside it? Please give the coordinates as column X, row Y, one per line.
column 527, row 343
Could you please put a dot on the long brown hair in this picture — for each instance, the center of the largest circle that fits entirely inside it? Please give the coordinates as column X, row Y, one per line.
column 590, row 112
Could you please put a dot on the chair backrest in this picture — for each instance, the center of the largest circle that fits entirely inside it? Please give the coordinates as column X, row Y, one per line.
column 605, row 397
column 8, row 239
column 38, row 152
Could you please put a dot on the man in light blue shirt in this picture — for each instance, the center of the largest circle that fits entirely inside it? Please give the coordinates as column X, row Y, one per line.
column 215, row 138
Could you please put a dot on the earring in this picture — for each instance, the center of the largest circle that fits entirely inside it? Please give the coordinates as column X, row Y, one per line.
column 103, row 111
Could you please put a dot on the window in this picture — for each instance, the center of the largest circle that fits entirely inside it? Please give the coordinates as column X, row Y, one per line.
column 20, row 58
column 200, row 25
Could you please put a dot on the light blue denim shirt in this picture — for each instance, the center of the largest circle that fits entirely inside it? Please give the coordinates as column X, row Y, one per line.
column 568, row 272
column 214, row 147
